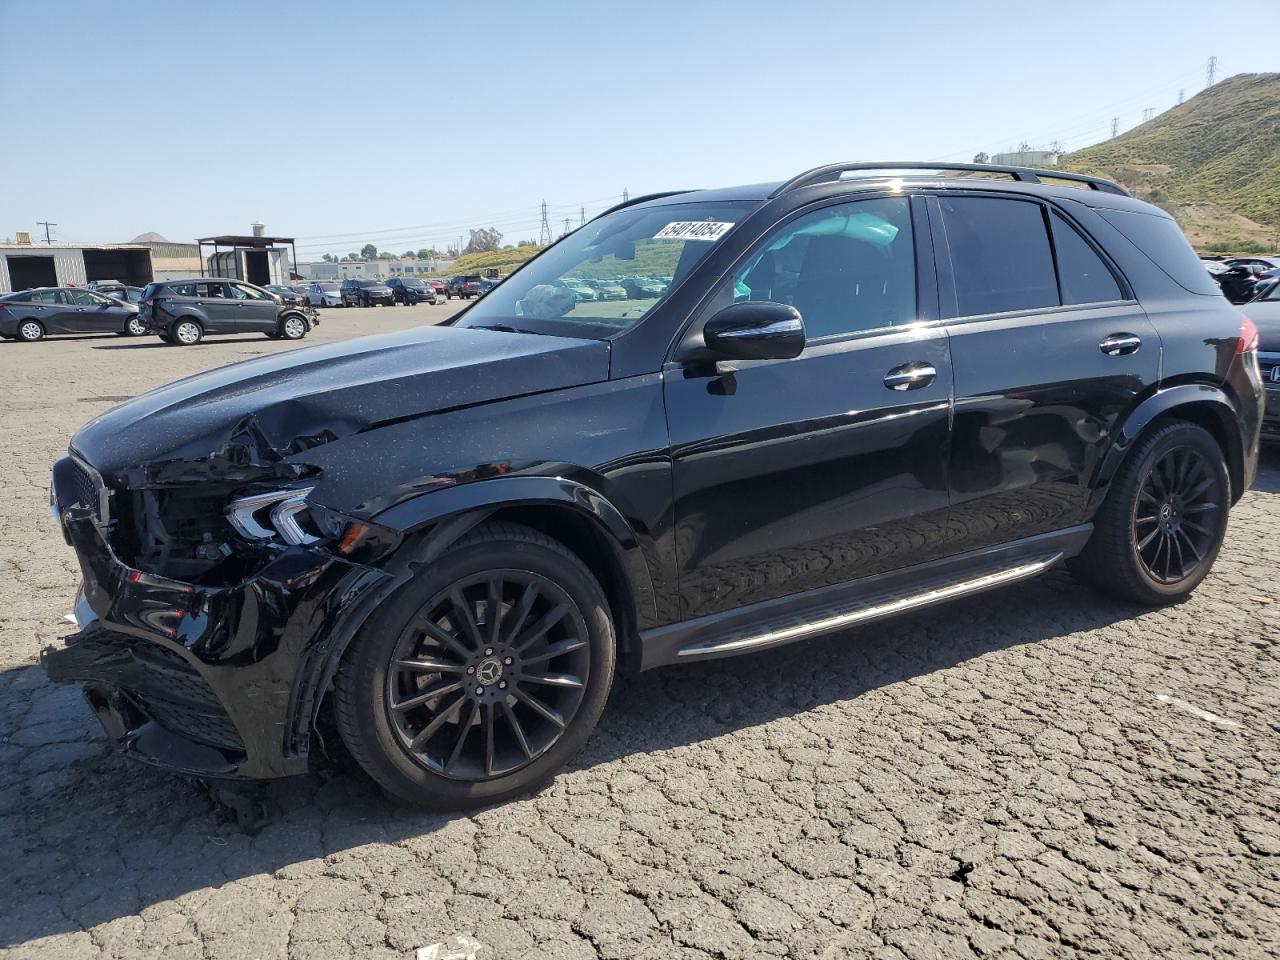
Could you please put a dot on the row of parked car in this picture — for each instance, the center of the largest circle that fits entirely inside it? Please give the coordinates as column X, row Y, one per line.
column 406, row 290
column 1243, row 278
column 180, row 312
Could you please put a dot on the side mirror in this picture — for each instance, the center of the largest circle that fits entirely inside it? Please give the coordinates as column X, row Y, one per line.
column 755, row 330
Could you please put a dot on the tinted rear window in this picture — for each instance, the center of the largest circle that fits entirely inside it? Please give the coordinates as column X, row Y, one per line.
column 1000, row 255
column 1163, row 242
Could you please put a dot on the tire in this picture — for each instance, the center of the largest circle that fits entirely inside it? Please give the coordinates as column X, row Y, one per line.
column 29, row 331
column 134, row 327
column 1146, row 547
column 292, row 328
column 485, row 740
column 186, row 332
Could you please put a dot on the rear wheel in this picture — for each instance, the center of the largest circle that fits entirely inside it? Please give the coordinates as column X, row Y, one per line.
column 30, row 331
column 483, row 676
column 135, row 327
column 186, row 333
column 1163, row 521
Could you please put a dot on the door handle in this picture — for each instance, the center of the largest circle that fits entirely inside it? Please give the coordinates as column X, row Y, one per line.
column 910, row 376
column 1120, row 344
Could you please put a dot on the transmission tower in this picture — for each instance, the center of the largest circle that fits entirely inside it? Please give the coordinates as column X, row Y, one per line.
column 625, row 196
column 1115, row 127
column 1211, row 72
column 582, row 216
column 544, row 232
column 46, row 224
column 1181, row 93
column 1148, row 113
column 567, row 222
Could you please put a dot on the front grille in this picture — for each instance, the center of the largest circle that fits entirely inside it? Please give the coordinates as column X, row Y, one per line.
column 76, row 485
column 1270, row 369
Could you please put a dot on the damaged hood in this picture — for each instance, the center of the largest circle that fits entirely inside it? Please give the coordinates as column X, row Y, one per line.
column 239, row 419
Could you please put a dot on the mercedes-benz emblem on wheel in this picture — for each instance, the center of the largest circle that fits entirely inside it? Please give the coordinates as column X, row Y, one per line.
column 488, row 671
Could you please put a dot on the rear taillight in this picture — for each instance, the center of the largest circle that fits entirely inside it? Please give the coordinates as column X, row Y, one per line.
column 1248, row 342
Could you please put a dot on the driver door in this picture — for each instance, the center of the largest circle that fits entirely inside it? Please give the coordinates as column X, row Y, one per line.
column 791, row 475
column 252, row 309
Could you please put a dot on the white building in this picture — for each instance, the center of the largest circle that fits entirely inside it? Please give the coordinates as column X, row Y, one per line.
column 373, row 269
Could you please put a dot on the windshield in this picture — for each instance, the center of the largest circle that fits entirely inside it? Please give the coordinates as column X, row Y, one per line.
column 605, row 276
column 413, row 283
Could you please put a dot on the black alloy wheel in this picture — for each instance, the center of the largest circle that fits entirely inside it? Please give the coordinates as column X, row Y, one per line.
column 483, row 675
column 1164, row 518
column 489, row 674
column 1176, row 517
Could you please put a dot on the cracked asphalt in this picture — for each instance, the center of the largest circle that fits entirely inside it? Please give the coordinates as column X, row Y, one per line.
column 1037, row 772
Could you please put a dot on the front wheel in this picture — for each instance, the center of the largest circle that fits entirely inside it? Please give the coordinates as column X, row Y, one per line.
column 482, row 677
column 1164, row 519
column 293, row 328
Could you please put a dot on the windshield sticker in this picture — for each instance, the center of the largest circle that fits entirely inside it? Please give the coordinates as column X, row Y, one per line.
column 693, row 230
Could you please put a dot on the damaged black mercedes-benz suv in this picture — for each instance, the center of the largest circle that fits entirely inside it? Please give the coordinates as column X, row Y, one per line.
column 860, row 392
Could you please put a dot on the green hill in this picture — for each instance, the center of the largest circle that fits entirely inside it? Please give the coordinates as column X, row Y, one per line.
column 1213, row 162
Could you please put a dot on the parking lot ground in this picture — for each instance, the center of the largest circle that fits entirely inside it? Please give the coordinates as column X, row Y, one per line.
column 1037, row 772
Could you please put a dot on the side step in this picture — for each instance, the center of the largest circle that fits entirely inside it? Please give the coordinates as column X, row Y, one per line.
column 872, row 608
column 773, row 623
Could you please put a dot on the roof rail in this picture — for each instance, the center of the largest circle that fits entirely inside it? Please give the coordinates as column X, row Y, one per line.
column 642, row 199
column 831, row 172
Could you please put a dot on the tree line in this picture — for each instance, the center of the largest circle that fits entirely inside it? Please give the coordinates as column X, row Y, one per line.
column 482, row 240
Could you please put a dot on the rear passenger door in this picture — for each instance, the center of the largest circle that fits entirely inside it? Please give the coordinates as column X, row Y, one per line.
column 1048, row 349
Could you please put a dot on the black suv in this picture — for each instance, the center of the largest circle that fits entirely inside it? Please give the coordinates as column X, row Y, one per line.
column 410, row 290
column 182, row 312
column 866, row 390
column 366, row 293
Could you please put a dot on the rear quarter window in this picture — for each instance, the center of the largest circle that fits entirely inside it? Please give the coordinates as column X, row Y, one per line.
column 1165, row 245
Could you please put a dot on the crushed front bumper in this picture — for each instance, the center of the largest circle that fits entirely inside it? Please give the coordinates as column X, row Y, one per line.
column 209, row 681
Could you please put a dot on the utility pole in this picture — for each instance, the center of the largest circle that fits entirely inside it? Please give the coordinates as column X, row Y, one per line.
column 1211, row 72
column 1148, row 113
column 46, row 224
column 544, row 232
column 1115, row 127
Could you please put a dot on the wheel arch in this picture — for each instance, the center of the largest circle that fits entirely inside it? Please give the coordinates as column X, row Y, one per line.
column 1205, row 405
column 577, row 515
column 569, row 512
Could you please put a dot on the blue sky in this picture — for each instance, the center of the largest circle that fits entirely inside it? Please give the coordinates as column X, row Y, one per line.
column 403, row 124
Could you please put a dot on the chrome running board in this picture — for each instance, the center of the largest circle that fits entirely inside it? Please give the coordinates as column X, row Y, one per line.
column 871, row 611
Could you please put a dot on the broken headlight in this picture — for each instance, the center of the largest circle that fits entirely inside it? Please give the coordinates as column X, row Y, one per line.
column 270, row 516
column 286, row 516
